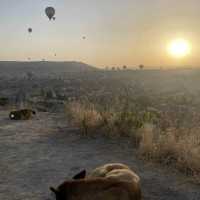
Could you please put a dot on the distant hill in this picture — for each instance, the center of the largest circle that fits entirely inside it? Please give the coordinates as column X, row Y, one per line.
column 42, row 67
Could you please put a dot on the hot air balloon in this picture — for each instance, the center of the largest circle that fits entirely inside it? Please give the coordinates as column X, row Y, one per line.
column 30, row 30
column 50, row 12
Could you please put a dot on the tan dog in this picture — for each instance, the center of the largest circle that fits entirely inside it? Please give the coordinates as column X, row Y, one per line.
column 116, row 171
column 102, row 171
column 109, row 182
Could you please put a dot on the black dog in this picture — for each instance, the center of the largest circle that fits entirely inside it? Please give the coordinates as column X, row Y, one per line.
column 23, row 114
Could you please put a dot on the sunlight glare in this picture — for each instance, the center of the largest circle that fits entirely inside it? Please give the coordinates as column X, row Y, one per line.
column 179, row 48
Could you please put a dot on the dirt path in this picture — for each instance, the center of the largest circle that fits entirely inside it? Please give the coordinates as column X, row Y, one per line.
column 44, row 151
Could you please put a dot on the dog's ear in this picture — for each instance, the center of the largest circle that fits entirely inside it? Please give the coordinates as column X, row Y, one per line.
column 54, row 190
column 80, row 175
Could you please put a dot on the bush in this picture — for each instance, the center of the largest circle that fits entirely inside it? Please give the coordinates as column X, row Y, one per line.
column 86, row 118
column 114, row 122
column 174, row 147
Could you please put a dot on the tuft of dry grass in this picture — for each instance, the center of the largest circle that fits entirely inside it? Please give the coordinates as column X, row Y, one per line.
column 84, row 117
column 179, row 149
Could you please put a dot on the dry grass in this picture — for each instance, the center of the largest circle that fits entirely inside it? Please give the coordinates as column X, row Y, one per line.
column 158, row 137
column 90, row 120
column 178, row 148
column 86, row 118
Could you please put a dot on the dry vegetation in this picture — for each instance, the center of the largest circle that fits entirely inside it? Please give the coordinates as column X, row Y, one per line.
column 158, row 110
column 163, row 128
column 155, row 137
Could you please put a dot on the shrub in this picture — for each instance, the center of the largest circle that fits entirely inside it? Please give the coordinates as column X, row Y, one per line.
column 86, row 118
column 174, row 147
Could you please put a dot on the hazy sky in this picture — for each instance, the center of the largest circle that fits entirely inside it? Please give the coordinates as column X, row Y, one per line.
column 117, row 32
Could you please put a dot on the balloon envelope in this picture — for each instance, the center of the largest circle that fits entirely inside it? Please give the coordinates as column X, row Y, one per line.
column 50, row 12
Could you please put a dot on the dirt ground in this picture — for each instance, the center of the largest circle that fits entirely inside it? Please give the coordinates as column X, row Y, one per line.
column 43, row 152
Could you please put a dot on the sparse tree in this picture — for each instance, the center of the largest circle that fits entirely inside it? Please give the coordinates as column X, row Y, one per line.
column 141, row 66
column 124, row 67
column 113, row 68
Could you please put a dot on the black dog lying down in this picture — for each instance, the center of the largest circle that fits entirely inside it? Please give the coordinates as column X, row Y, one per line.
column 23, row 114
column 109, row 182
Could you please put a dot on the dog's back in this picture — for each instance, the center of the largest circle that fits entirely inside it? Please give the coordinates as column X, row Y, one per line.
column 103, row 170
column 119, row 172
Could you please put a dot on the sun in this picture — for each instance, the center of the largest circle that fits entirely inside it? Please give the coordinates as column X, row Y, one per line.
column 179, row 48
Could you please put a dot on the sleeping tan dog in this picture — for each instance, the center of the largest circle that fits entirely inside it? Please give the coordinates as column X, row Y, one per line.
column 107, row 182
